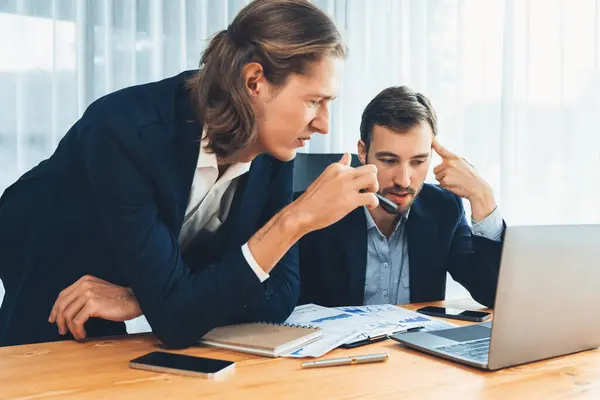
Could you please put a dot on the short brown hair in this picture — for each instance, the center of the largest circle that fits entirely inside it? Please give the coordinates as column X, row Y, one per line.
column 284, row 36
column 397, row 108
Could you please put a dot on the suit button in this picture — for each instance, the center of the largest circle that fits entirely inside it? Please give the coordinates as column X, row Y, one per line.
column 385, row 265
column 385, row 293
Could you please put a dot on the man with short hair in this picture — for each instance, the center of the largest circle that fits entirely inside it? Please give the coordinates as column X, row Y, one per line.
column 375, row 257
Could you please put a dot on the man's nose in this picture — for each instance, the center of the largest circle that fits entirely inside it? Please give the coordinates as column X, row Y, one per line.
column 402, row 177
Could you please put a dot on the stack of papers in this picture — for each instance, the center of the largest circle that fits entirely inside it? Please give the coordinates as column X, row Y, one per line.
column 342, row 325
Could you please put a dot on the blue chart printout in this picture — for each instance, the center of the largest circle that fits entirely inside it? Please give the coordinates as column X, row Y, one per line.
column 342, row 325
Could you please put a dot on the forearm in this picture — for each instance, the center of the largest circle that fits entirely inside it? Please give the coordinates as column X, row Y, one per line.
column 482, row 204
column 280, row 293
column 473, row 261
column 224, row 293
column 195, row 302
column 276, row 237
column 483, row 269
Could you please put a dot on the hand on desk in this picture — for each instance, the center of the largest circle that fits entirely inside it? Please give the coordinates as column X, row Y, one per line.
column 91, row 297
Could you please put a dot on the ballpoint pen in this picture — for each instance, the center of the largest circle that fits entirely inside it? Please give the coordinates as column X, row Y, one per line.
column 332, row 362
column 386, row 204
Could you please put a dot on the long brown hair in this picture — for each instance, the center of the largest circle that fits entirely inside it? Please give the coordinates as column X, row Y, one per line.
column 283, row 36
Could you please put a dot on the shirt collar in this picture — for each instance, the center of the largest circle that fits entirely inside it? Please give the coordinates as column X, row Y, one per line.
column 371, row 222
column 208, row 159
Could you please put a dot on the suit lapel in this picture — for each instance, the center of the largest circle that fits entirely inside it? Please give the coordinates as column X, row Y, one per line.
column 188, row 152
column 353, row 237
column 242, row 221
column 421, row 233
column 248, row 202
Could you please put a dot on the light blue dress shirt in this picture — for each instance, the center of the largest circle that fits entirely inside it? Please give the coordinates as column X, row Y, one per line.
column 387, row 273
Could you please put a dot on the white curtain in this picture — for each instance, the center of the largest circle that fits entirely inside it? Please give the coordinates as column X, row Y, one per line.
column 516, row 83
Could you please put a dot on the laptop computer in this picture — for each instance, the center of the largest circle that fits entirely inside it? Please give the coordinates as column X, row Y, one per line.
column 546, row 302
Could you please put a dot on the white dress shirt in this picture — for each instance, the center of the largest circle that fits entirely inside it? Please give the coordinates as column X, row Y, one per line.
column 210, row 200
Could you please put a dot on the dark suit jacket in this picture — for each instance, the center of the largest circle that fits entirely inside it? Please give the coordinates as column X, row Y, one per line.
column 333, row 260
column 110, row 202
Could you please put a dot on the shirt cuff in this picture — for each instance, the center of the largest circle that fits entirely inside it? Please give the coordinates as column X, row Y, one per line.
column 260, row 273
column 490, row 227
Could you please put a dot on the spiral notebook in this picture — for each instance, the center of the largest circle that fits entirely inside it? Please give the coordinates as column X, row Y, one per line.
column 262, row 338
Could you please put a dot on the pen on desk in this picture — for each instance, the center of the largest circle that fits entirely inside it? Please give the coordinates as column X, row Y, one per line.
column 332, row 362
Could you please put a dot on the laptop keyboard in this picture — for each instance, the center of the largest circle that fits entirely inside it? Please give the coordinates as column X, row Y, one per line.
column 477, row 350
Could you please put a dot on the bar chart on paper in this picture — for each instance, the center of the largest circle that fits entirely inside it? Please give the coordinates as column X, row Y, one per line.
column 399, row 315
column 415, row 319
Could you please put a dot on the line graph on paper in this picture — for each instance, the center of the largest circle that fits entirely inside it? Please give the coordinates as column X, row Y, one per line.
column 398, row 315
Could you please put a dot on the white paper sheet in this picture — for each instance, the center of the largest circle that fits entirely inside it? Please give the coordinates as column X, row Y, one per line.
column 347, row 324
column 333, row 323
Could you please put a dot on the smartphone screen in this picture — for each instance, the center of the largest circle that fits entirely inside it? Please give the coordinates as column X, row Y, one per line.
column 454, row 312
column 182, row 362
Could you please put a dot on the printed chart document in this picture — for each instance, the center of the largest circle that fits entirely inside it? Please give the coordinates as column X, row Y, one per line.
column 399, row 315
column 348, row 324
column 336, row 326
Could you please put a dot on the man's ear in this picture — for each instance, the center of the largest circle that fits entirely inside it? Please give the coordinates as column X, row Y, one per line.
column 362, row 152
column 254, row 78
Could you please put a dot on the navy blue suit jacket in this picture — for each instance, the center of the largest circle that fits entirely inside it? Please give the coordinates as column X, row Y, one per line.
column 110, row 202
column 333, row 260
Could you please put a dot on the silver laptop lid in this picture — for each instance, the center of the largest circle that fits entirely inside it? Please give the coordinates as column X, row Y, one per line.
column 548, row 294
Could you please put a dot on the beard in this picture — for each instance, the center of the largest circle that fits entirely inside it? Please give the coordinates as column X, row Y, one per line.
column 403, row 197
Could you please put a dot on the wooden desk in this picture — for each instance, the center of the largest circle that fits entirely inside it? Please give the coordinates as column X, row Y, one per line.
column 99, row 369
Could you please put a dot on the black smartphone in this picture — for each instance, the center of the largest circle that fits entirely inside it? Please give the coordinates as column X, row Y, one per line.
column 181, row 364
column 455, row 313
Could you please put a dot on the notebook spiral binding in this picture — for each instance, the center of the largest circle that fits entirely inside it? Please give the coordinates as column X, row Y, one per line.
column 290, row 325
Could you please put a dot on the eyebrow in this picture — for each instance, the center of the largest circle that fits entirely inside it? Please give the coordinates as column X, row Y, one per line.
column 386, row 154
column 322, row 96
column 393, row 155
